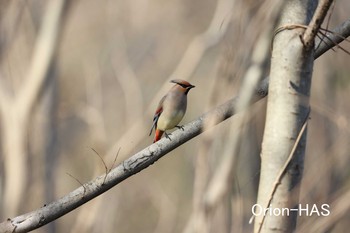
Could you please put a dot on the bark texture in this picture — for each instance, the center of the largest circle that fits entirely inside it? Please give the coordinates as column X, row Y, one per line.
column 287, row 108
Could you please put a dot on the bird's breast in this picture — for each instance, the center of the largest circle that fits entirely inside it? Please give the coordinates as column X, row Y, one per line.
column 169, row 120
column 174, row 108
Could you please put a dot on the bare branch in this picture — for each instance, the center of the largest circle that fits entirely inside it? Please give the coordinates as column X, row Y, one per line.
column 315, row 24
column 328, row 21
column 325, row 37
column 335, row 37
column 343, row 30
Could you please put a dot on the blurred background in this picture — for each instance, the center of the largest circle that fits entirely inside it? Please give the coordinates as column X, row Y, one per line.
column 112, row 64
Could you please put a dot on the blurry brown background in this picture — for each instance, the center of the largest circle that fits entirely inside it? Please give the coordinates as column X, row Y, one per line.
column 113, row 63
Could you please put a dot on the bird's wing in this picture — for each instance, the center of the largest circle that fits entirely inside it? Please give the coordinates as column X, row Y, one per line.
column 157, row 115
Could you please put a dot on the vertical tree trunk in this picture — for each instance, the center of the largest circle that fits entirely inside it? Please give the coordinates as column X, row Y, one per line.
column 15, row 151
column 16, row 110
column 287, row 108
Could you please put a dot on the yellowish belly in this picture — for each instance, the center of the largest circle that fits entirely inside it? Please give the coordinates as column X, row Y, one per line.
column 166, row 122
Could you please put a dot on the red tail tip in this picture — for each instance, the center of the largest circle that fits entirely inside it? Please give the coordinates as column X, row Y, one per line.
column 158, row 135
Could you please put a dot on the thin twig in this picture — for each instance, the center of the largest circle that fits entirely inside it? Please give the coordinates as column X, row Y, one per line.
column 334, row 43
column 115, row 160
column 321, row 31
column 343, row 29
column 104, row 164
column 76, row 179
column 295, row 26
column 336, row 34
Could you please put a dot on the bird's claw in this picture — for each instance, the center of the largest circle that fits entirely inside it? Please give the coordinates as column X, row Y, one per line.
column 167, row 135
column 180, row 127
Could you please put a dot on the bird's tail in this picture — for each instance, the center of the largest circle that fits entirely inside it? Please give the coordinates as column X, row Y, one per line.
column 158, row 135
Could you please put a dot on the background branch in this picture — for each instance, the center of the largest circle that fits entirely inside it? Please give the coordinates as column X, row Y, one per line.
column 16, row 110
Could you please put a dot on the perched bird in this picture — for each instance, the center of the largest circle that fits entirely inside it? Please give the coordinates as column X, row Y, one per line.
column 171, row 108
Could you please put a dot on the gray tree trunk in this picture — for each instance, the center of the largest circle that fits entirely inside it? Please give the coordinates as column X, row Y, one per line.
column 287, row 109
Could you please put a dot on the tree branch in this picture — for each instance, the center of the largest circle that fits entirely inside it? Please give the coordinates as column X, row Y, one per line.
column 127, row 168
column 315, row 24
column 336, row 36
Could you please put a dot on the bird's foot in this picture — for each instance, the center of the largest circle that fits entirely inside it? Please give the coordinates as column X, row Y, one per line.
column 180, row 127
column 167, row 135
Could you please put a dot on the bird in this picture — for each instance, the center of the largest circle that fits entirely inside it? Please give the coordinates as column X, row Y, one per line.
column 171, row 109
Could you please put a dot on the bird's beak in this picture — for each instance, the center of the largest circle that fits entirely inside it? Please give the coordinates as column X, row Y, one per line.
column 190, row 87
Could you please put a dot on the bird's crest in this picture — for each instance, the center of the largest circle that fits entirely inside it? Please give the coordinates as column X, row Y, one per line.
column 182, row 83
